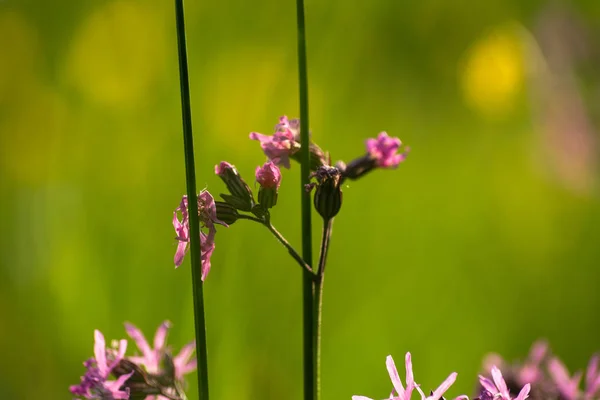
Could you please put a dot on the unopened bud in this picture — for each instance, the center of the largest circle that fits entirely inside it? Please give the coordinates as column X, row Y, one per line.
column 269, row 178
column 328, row 193
column 241, row 194
column 226, row 212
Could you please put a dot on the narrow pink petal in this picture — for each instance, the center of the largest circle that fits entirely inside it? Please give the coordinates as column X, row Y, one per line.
column 592, row 372
column 538, row 351
column 182, row 249
column 462, row 397
column 438, row 393
column 184, row 355
column 410, row 377
column 116, row 384
column 500, row 384
column 139, row 339
column 161, row 335
column 488, row 384
column 391, row 367
column 120, row 353
column 524, row 393
column 361, row 398
column 185, row 369
column 260, row 137
column 100, row 351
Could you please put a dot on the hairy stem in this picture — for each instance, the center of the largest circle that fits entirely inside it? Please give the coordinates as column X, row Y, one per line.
column 190, row 175
column 291, row 250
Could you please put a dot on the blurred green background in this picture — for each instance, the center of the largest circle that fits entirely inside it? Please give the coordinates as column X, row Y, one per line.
column 485, row 239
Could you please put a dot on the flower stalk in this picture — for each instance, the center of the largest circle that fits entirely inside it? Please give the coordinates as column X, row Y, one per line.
column 188, row 141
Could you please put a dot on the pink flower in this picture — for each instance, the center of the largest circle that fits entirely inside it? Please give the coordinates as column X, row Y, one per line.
column 279, row 147
column 498, row 387
column 383, row 151
column 151, row 357
column 94, row 383
column 268, row 176
column 404, row 394
column 207, row 213
column 530, row 372
column 567, row 385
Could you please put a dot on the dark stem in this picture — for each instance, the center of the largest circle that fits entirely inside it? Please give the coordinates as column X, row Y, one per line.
column 318, row 303
column 190, row 176
column 310, row 389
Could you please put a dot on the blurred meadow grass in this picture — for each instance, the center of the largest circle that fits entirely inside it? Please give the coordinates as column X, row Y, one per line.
column 485, row 239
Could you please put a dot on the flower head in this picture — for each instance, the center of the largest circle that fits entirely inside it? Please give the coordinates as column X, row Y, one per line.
column 268, row 176
column 151, row 357
column 95, row 384
column 401, row 393
column 240, row 195
column 279, row 147
column 207, row 213
column 383, row 151
column 498, row 387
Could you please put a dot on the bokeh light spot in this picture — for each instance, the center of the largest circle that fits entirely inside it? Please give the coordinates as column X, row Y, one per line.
column 493, row 71
column 117, row 53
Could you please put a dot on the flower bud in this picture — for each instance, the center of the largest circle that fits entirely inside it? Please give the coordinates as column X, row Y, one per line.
column 241, row 194
column 269, row 178
column 226, row 212
column 317, row 157
column 328, row 193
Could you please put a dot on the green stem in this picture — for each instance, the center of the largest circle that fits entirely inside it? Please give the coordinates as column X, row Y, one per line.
column 291, row 250
column 310, row 388
column 190, row 175
column 318, row 303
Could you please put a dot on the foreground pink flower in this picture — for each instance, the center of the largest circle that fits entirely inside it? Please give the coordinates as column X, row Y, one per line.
column 498, row 388
column 151, row 357
column 279, row 147
column 207, row 213
column 567, row 385
column 95, row 384
column 401, row 393
column 384, row 151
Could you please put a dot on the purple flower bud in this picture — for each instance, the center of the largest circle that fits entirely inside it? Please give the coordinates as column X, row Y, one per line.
column 328, row 192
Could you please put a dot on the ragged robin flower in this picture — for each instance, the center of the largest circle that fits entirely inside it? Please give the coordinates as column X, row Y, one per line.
column 95, row 384
column 382, row 152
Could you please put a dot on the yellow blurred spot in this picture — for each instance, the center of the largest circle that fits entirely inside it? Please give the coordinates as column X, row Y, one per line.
column 117, row 53
column 32, row 131
column 18, row 49
column 493, row 71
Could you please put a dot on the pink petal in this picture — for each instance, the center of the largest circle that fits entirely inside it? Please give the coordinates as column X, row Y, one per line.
column 184, row 355
column 161, row 335
column 140, row 340
column 592, row 373
column 500, row 384
column 488, row 384
column 391, row 367
column 524, row 393
column 410, row 378
column 114, row 386
column 361, row 398
column 100, row 352
column 180, row 253
column 437, row 393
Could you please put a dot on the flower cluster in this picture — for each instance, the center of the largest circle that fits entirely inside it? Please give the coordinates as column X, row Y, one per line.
column 545, row 376
column 155, row 375
column 401, row 393
column 281, row 147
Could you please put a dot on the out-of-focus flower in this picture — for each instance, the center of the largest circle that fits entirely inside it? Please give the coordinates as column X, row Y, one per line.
column 95, row 384
column 151, row 358
column 401, row 393
column 568, row 386
column 208, row 218
column 382, row 152
column 280, row 146
column 286, row 143
column 498, row 387
column 240, row 194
